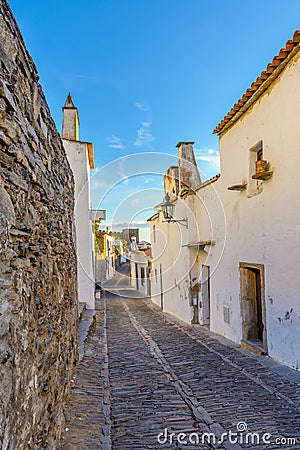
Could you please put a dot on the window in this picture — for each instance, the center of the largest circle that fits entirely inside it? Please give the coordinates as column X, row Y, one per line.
column 155, row 274
column 154, row 234
column 226, row 313
column 255, row 154
column 259, row 156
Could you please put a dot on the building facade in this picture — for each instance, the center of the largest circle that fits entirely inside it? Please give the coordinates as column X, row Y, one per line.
column 235, row 267
column 81, row 159
column 140, row 272
column 128, row 233
column 106, row 255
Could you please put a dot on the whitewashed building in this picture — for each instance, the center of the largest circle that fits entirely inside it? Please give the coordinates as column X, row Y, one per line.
column 110, row 257
column 235, row 268
column 81, row 159
column 139, row 272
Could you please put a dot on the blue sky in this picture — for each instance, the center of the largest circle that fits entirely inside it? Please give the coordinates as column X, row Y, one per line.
column 147, row 74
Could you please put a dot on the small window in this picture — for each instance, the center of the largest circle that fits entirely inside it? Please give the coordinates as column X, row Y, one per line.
column 259, row 156
column 255, row 154
column 155, row 274
column 154, row 233
column 226, row 313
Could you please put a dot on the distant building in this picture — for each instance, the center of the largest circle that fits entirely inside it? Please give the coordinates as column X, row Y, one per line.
column 140, row 264
column 145, row 247
column 119, row 252
column 105, row 256
column 128, row 233
column 133, row 245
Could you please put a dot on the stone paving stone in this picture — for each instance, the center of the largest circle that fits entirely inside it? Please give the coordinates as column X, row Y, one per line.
column 164, row 374
column 84, row 415
column 210, row 377
column 144, row 402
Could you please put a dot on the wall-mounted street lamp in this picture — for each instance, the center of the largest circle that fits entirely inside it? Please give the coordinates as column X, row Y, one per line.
column 168, row 212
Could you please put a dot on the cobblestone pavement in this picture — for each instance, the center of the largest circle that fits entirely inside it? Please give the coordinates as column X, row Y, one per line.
column 145, row 376
column 86, row 426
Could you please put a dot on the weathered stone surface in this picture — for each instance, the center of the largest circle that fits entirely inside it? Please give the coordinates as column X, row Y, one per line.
column 38, row 299
column 145, row 372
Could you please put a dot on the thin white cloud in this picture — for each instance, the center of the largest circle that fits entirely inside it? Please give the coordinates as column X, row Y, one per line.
column 136, row 202
column 96, row 184
column 144, row 135
column 125, row 180
column 115, row 142
column 135, row 224
column 85, row 77
column 210, row 156
column 146, row 179
column 122, row 172
column 142, row 106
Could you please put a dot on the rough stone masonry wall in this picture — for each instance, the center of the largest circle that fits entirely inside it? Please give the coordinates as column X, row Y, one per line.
column 38, row 299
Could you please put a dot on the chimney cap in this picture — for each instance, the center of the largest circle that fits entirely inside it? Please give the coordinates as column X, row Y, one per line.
column 184, row 143
column 69, row 103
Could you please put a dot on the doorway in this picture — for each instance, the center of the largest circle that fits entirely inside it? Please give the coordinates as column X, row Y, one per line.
column 204, row 310
column 253, row 304
column 161, row 288
column 137, row 276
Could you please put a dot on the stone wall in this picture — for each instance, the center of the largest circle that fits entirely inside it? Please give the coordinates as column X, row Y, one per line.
column 38, row 298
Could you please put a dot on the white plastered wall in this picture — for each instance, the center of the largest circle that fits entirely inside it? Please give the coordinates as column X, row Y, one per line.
column 264, row 228
column 78, row 158
column 261, row 229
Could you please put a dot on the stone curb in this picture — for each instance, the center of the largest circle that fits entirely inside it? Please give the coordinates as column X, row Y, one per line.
column 85, row 325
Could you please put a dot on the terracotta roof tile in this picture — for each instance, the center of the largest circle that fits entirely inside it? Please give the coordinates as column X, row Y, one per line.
column 296, row 37
column 289, row 46
column 264, row 75
column 257, row 84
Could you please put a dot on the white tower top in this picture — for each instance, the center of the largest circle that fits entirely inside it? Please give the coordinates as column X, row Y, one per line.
column 70, row 127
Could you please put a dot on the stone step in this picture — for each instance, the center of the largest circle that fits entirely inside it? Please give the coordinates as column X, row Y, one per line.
column 81, row 308
column 86, row 320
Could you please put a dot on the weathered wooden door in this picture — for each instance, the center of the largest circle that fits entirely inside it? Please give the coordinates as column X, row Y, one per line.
column 161, row 288
column 252, row 306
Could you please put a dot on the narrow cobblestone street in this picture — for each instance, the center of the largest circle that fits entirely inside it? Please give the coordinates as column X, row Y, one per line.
column 146, row 377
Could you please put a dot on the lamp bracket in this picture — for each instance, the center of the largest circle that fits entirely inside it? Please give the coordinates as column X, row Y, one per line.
column 183, row 222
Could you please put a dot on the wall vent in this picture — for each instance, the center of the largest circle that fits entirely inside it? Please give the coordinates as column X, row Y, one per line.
column 226, row 314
